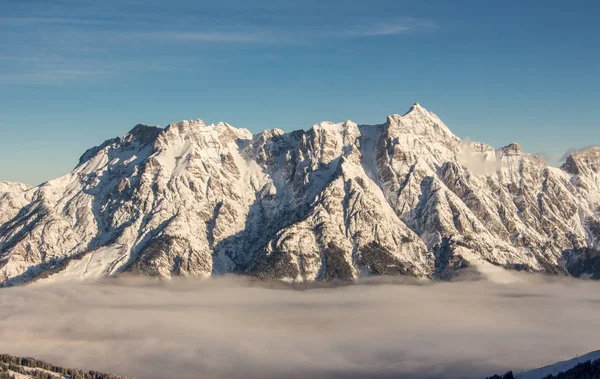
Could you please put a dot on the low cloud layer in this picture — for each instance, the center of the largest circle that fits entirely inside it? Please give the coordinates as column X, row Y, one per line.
column 232, row 328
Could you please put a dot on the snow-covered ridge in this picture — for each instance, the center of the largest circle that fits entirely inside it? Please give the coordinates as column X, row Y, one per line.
column 13, row 187
column 337, row 201
column 557, row 368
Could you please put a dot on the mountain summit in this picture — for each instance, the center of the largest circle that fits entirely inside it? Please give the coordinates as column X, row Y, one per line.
column 337, row 201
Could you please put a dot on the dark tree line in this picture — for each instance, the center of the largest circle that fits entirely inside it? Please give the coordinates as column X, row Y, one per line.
column 39, row 369
column 585, row 370
column 508, row 375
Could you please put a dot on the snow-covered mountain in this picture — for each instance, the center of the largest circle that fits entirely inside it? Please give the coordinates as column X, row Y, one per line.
column 338, row 201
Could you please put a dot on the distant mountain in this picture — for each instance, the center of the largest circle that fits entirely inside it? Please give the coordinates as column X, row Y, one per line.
column 337, row 201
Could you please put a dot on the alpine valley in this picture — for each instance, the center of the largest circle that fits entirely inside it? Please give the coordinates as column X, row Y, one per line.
column 335, row 202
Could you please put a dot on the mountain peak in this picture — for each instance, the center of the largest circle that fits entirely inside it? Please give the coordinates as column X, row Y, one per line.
column 144, row 133
column 583, row 161
column 512, row 149
column 416, row 107
column 187, row 123
column 420, row 121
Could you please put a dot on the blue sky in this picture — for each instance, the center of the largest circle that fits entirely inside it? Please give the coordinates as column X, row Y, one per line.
column 76, row 72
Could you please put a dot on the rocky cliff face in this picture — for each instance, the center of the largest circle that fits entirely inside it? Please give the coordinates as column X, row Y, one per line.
column 338, row 201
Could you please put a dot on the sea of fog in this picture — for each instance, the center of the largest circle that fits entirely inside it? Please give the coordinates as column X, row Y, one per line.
column 236, row 328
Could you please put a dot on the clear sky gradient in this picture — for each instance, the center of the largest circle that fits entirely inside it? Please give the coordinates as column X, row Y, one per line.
column 76, row 72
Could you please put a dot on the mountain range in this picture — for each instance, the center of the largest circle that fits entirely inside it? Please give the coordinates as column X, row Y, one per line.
column 335, row 202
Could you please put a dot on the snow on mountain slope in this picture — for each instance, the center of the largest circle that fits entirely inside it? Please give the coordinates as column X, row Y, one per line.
column 334, row 202
column 558, row 367
column 13, row 197
column 92, row 265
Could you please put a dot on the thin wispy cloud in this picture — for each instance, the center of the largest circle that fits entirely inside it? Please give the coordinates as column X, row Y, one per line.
column 285, row 36
column 210, row 36
column 52, row 76
column 57, row 71
column 81, row 40
column 29, row 58
column 38, row 21
column 390, row 28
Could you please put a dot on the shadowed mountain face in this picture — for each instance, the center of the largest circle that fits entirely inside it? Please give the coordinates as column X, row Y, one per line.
column 338, row 201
